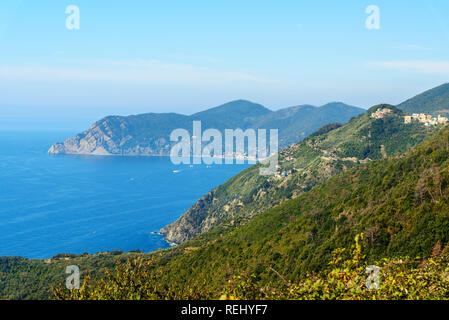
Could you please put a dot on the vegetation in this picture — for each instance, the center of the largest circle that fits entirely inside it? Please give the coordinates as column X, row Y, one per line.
column 397, row 209
column 352, row 279
column 307, row 164
column 344, row 279
column 434, row 101
column 22, row 278
column 149, row 134
column 400, row 205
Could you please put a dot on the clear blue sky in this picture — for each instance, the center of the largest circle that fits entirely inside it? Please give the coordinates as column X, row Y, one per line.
column 184, row 56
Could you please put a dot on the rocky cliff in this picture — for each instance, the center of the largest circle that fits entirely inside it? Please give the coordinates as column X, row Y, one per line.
column 116, row 135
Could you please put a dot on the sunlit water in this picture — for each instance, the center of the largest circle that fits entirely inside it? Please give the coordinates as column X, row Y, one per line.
column 75, row 204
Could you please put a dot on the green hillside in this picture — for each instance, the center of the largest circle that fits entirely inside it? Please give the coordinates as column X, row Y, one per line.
column 296, row 123
column 24, row 279
column 400, row 205
column 306, row 164
column 434, row 101
column 235, row 114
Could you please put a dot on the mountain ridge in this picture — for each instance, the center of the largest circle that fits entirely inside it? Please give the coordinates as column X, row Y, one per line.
column 148, row 134
column 433, row 101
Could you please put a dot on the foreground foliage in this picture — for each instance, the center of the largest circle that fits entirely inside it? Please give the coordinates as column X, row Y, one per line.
column 350, row 279
column 344, row 279
column 23, row 279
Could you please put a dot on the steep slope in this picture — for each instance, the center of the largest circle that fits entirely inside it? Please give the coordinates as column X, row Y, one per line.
column 296, row 123
column 149, row 134
column 305, row 165
column 146, row 134
column 434, row 101
column 401, row 204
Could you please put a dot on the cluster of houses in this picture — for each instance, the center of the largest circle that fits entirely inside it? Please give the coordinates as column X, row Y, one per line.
column 281, row 174
column 381, row 113
column 427, row 119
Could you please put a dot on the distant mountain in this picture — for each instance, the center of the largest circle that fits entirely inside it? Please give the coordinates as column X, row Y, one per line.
column 239, row 113
column 148, row 134
column 434, row 101
column 333, row 149
column 296, row 123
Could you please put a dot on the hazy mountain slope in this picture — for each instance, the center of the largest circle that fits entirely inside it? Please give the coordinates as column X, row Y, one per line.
column 434, row 101
column 236, row 114
column 149, row 134
column 296, row 123
column 307, row 164
column 401, row 204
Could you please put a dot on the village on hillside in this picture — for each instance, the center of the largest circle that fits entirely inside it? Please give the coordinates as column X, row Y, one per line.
column 426, row 119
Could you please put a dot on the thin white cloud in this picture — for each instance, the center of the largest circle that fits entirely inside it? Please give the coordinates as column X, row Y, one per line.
column 425, row 67
column 133, row 70
column 414, row 47
column 196, row 58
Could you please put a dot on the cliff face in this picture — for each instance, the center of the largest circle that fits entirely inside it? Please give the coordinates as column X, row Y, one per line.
column 98, row 140
column 194, row 221
column 149, row 134
column 115, row 136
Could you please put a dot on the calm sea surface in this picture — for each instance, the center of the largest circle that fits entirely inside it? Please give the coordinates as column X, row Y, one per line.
column 75, row 204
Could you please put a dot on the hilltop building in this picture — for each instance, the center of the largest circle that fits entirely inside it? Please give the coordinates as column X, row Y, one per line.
column 381, row 113
column 426, row 119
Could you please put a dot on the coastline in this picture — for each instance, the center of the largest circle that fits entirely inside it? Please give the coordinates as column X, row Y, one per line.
column 170, row 243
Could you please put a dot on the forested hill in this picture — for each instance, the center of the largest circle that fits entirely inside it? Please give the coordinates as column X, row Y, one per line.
column 434, row 101
column 149, row 134
column 401, row 204
column 330, row 151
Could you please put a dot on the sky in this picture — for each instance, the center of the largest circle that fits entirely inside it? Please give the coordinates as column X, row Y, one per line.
column 135, row 56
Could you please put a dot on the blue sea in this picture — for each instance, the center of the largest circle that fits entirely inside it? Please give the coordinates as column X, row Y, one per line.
column 76, row 204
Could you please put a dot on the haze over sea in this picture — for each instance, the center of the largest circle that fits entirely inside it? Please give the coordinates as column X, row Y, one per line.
column 76, row 204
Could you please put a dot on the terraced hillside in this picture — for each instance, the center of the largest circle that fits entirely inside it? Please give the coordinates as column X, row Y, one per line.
column 301, row 166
